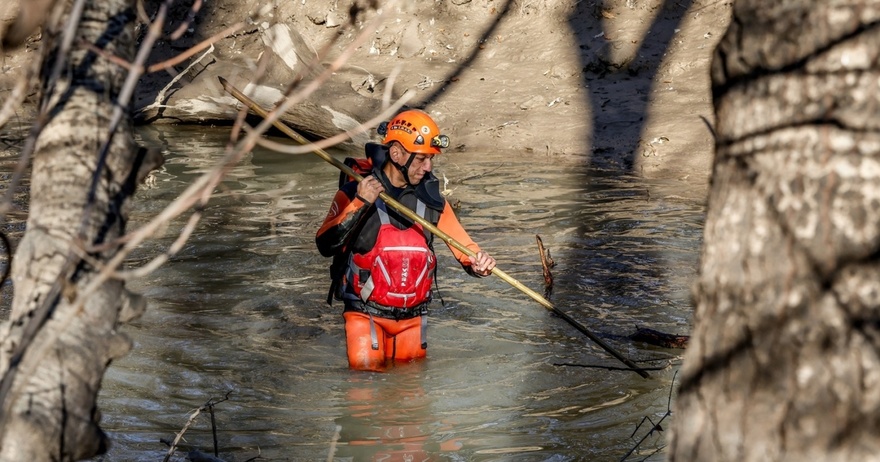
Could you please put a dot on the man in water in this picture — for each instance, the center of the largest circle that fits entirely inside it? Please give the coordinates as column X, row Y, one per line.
column 384, row 263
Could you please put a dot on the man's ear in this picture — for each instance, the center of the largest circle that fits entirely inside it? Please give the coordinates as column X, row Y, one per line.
column 394, row 153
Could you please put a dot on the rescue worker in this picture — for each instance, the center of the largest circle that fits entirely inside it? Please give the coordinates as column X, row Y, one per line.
column 384, row 263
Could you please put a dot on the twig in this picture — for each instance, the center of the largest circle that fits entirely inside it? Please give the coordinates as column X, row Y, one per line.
column 546, row 264
column 207, row 406
column 655, row 427
column 611, row 368
column 160, row 97
column 662, row 339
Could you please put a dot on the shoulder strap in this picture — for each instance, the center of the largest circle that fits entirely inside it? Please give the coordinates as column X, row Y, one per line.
column 382, row 210
column 361, row 166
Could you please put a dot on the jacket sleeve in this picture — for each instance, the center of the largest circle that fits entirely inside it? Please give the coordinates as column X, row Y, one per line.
column 450, row 225
column 346, row 211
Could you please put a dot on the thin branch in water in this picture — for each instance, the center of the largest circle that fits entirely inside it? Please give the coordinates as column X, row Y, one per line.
column 207, row 406
column 655, row 427
column 546, row 264
column 214, row 430
column 610, row 368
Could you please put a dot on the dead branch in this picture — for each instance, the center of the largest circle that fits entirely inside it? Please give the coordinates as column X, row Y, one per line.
column 208, row 406
column 661, row 339
column 613, row 368
column 546, row 263
column 160, row 97
column 654, row 426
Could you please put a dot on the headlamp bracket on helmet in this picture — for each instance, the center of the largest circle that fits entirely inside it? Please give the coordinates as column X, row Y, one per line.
column 440, row 141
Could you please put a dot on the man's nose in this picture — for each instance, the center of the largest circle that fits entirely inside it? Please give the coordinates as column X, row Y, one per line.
column 428, row 165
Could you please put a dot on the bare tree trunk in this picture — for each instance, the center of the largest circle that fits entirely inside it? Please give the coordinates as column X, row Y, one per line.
column 783, row 363
column 59, row 341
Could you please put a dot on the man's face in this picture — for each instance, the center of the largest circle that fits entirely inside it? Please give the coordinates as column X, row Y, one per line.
column 420, row 166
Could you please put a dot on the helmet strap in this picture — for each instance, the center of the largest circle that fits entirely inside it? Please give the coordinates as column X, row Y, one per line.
column 404, row 169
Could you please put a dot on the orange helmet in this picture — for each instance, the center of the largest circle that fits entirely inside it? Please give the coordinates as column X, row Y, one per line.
column 416, row 131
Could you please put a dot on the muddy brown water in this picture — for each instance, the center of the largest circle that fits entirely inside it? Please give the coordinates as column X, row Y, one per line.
column 240, row 313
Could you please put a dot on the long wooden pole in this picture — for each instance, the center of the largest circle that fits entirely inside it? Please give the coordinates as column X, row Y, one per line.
column 430, row 227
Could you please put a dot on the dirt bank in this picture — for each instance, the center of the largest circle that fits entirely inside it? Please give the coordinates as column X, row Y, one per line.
column 621, row 83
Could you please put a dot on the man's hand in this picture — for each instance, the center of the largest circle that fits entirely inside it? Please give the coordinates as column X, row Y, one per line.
column 482, row 263
column 369, row 189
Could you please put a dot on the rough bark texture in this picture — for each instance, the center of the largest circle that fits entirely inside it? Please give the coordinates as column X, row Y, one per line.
column 783, row 362
column 53, row 354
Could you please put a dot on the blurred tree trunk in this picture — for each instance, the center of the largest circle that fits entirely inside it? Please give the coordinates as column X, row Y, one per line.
column 55, row 348
column 783, row 362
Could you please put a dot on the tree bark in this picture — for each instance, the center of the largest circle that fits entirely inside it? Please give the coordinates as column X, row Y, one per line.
column 55, row 348
column 783, row 362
